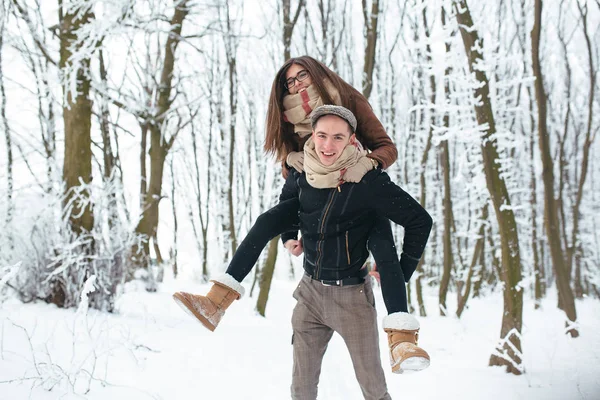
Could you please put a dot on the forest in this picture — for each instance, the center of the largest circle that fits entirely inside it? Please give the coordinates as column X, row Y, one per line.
column 133, row 132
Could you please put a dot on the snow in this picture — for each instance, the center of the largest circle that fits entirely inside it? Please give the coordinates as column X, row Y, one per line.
column 151, row 349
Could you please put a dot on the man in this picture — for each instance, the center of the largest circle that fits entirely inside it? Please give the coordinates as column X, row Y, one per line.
column 335, row 219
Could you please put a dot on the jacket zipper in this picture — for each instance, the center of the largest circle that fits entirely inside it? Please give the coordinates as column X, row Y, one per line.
column 320, row 253
column 347, row 248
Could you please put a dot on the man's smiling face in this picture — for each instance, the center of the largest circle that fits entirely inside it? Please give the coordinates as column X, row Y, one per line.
column 331, row 135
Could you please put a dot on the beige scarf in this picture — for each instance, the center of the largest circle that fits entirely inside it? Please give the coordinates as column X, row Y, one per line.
column 322, row 176
column 299, row 106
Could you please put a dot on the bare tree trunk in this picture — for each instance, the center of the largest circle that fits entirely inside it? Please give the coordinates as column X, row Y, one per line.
column 7, row 137
column 579, row 291
column 202, row 246
column 231, row 44
column 109, row 161
column 538, row 268
column 266, row 273
column 174, row 249
column 480, row 270
column 257, row 273
column 550, row 210
column 148, row 224
column 288, row 25
column 463, row 297
column 77, row 118
column 411, row 307
column 233, row 106
column 424, row 160
column 589, row 138
column 537, row 265
column 447, row 238
column 447, row 201
column 159, row 258
column 509, row 352
column 562, row 161
column 143, row 170
column 205, row 222
column 420, row 301
column 50, row 138
column 39, row 69
column 159, row 146
column 370, row 32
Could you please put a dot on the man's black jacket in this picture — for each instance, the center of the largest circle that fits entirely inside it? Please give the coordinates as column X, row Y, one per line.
column 335, row 223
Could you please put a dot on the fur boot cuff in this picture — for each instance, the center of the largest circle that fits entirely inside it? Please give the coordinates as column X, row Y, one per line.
column 401, row 321
column 231, row 283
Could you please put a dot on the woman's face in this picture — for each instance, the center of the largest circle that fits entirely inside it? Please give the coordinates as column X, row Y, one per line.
column 293, row 74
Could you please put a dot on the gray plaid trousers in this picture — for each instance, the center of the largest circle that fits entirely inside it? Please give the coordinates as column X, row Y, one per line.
column 347, row 310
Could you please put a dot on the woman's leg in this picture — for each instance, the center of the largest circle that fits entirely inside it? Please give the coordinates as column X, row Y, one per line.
column 210, row 309
column 381, row 244
column 402, row 328
column 279, row 219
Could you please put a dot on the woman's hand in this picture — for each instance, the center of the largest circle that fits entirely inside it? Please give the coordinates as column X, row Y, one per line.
column 294, row 247
column 296, row 160
column 355, row 173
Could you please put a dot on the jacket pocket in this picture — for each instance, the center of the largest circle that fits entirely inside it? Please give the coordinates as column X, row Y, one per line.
column 347, row 248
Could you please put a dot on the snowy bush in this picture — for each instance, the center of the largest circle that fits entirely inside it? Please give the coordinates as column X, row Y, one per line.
column 56, row 262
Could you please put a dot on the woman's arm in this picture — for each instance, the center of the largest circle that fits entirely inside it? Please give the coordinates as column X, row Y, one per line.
column 278, row 220
column 372, row 135
column 390, row 201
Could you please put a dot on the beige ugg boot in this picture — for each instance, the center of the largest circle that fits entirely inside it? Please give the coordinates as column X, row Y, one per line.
column 210, row 309
column 403, row 333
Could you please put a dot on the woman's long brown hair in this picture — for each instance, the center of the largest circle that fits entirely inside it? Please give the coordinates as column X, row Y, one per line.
column 280, row 137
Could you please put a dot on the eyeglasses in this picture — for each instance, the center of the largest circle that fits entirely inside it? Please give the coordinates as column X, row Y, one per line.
column 302, row 75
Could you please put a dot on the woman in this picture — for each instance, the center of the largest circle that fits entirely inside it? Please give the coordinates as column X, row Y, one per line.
column 301, row 85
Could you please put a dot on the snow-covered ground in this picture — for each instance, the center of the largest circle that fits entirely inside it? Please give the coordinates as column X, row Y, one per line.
column 153, row 350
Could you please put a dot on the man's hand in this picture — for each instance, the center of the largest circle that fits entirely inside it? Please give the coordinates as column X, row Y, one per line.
column 296, row 160
column 355, row 173
column 294, row 247
column 375, row 274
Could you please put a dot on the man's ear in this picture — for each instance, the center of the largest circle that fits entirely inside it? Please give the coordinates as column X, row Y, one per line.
column 353, row 138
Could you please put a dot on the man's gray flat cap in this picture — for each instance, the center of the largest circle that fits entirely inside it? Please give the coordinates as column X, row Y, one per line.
column 339, row 111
